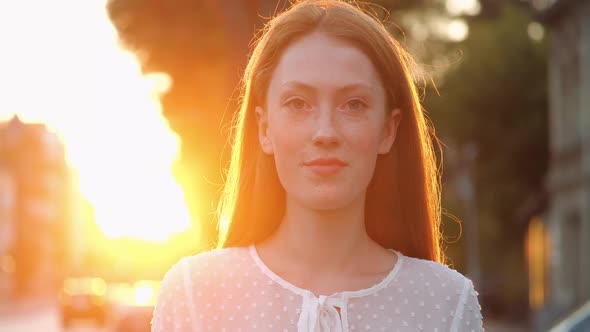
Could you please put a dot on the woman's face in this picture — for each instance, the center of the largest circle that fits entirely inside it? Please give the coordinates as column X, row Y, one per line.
column 325, row 122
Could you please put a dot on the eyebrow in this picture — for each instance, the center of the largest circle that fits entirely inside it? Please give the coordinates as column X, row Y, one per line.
column 342, row 90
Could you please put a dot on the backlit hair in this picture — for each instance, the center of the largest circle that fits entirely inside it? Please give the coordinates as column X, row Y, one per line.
column 402, row 208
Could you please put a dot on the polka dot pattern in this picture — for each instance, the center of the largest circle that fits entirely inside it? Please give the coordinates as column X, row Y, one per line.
column 228, row 290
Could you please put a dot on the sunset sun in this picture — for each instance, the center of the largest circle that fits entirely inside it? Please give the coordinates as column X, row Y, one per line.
column 69, row 72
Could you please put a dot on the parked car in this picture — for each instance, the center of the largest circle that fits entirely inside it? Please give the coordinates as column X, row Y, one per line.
column 135, row 309
column 578, row 321
column 84, row 298
column 135, row 319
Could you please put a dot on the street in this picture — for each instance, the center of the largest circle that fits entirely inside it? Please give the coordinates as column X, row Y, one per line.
column 42, row 320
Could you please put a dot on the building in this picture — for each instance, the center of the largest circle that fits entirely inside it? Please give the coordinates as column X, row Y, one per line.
column 561, row 243
column 35, row 209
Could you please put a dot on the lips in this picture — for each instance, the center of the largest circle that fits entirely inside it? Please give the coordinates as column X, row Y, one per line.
column 325, row 166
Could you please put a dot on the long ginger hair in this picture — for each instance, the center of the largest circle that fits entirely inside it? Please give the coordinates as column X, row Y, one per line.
column 402, row 207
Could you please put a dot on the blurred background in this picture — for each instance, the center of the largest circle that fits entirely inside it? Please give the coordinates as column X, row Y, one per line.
column 114, row 127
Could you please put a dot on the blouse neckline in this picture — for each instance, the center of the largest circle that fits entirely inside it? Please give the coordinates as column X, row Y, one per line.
column 343, row 294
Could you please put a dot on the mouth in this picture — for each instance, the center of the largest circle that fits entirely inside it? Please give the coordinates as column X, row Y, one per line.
column 325, row 166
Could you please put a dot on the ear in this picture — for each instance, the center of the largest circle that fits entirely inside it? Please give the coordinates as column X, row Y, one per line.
column 392, row 121
column 263, row 131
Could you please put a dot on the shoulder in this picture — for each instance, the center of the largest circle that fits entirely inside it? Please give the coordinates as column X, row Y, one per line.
column 207, row 264
column 450, row 290
column 218, row 259
column 434, row 274
column 437, row 291
column 437, row 282
column 176, row 305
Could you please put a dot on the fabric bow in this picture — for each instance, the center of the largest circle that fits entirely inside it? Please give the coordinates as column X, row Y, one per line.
column 320, row 315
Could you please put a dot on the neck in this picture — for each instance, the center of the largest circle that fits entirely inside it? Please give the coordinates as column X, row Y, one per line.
column 330, row 241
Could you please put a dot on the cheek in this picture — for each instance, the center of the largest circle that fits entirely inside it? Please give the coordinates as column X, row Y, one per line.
column 365, row 138
column 288, row 139
column 283, row 133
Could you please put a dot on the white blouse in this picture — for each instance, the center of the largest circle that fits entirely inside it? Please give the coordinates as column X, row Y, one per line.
column 233, row 290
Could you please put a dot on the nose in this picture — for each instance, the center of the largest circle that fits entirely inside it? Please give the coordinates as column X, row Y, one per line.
column 325, row 134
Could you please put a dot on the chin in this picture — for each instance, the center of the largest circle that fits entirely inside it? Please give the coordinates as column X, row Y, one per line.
column 326, row 202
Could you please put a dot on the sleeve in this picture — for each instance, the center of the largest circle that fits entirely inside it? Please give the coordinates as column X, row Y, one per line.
column 468, row 316
column 172, row 312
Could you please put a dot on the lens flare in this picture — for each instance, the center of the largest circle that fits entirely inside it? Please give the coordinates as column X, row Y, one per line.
column 61, row 65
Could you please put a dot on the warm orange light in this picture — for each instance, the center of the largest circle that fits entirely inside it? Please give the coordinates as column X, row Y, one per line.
column 62, row 66
column 145, row 294
column 535, row 250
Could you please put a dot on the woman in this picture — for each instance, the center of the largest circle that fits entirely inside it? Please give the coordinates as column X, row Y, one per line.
column 332, row 201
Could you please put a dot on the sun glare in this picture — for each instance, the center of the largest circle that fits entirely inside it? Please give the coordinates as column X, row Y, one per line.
column 62, row 66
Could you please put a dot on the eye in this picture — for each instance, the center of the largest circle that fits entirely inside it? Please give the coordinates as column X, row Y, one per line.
column 355, row 106
column 297, row 104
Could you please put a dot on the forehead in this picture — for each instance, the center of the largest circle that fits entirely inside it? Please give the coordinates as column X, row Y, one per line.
column 325, row 62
